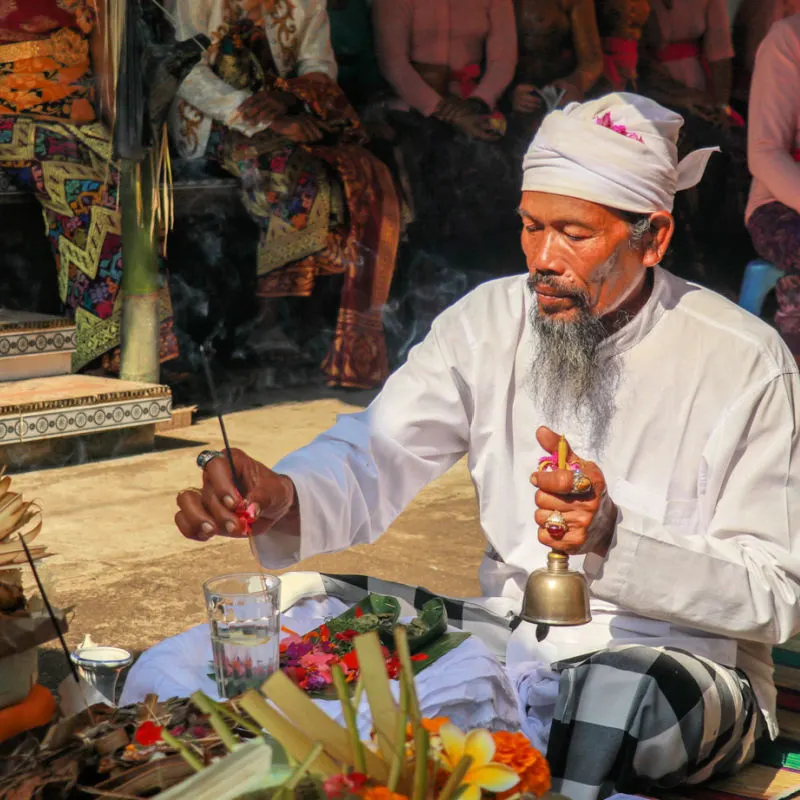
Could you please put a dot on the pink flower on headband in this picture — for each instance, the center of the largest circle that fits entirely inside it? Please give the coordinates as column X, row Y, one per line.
column 607, row 122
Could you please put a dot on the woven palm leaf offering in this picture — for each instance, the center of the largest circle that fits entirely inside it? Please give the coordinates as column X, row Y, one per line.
column 25, row 623
column 308, row 659
column 281, row 744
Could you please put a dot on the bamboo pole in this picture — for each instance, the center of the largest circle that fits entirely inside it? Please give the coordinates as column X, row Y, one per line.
column 139, row 359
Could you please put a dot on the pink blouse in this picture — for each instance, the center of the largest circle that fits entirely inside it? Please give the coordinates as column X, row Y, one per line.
column 773, row 129
column 454, row 33
column 703, row 21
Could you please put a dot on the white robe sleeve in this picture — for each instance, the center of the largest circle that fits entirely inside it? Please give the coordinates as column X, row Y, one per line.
column 743, row 539
column 355, row 479
column 315, row 52
column 202, row 88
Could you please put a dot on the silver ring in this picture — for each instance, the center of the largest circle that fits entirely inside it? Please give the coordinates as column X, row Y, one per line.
column 206, row 456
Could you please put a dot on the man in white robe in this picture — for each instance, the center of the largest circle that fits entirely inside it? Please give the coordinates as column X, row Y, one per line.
column 680, row 408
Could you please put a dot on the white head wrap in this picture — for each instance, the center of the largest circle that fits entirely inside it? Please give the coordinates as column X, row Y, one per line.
column 619, row 150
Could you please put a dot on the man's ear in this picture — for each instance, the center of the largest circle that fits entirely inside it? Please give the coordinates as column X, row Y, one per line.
column 662, row 226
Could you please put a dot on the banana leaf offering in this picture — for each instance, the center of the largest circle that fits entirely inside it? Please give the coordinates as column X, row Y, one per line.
column 308, row 660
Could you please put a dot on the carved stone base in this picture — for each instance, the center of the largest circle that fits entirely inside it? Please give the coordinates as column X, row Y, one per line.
column 34, row 345
column 69, row 419
column 74, row 450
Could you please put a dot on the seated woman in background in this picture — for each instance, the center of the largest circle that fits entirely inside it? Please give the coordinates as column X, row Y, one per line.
column 620, row 23
column 773, row 153
column 53, row 144
column 690, row 42
column 264, row 103
column 448, row 64
column 559, row 46
column 686, row 64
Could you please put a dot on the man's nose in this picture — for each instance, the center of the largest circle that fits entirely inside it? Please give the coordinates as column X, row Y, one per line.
column 543, row 254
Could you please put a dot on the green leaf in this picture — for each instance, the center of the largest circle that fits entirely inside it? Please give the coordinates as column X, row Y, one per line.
column 435, row 650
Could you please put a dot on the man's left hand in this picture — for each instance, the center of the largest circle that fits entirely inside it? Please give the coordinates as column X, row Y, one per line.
column 590, row 517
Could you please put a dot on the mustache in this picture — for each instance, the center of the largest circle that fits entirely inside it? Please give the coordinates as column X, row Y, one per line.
column 537, row 279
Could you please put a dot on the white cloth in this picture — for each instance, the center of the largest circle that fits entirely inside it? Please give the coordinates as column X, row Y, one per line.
column 536, row 686
column 701, row 460
column 298, row 32
column 467, row 685
column 633, row 168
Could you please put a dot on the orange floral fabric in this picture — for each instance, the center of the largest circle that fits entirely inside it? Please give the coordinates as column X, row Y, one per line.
column 45, row 70
column 515, row 751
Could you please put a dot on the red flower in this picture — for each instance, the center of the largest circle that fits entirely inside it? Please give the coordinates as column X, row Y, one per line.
column 359, row 613
column 350, row 660
column 246, row 513
column 324, row 633
column 147, row 734
column 420, row 657
column 392, row 665
column 343, row 785
column 346, row 636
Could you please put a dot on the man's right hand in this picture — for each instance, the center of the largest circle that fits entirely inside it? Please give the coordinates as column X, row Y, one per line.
column 300, row 128
column 211, row 511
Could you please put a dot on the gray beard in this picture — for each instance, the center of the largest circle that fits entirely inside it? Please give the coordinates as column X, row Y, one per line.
column 572, row 380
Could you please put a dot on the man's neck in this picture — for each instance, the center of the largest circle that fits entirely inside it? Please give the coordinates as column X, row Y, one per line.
column 633, row 304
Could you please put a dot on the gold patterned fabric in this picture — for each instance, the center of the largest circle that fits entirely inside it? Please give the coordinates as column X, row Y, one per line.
column 45, row 70
column 327, row 208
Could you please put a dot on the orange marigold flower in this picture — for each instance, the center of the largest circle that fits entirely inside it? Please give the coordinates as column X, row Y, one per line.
column 430, row 724
column 381, row 793
column 515, row 751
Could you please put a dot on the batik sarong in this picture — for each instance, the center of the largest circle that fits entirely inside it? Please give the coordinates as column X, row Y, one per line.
column 775, row 231
column 323, row 209
column 67, row 167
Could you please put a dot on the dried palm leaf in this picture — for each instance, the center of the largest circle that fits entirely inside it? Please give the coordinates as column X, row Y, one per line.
column 18, row 519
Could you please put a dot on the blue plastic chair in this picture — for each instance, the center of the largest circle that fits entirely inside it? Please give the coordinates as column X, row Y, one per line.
column 759, row 280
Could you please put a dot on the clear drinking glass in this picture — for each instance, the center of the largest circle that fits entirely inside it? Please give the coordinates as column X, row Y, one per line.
column 244, row 618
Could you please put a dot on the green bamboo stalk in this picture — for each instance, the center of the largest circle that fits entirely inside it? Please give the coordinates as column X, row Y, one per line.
column 207, row 706
column 399, row 739
column 421, row 765
column 188, row 756
column 407, row 672
column 456, row 776
column 302, row 769
column 140, row 278
column 236, row 719
column 350, row 718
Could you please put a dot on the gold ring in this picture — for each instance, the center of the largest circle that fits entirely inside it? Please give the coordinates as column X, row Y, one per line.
column 556, row 525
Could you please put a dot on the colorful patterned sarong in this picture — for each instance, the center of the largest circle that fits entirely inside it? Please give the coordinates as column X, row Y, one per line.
column 68, row 169
column 323, row 209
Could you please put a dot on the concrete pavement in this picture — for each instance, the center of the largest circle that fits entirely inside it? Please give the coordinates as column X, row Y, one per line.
column 133, row 580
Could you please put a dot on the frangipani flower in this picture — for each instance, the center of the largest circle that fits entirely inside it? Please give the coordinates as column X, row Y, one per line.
column 483, row 773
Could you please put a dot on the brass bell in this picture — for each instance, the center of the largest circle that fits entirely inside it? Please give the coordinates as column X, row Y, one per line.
column 556, row 595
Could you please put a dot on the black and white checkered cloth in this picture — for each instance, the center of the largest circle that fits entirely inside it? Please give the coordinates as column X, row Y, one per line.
column 640, row 719
column 633, row 719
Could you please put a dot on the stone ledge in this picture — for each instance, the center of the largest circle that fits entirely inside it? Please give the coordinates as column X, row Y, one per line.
column 70, row 405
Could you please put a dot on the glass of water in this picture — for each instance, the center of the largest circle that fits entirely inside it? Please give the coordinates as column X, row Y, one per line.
column 244, row 619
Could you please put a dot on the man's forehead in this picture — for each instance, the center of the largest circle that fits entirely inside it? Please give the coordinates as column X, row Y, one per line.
column 564, row 209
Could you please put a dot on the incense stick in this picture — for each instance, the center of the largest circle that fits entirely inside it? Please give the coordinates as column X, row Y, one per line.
column 50, row 610
column 212, row 388
column 204, row 352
